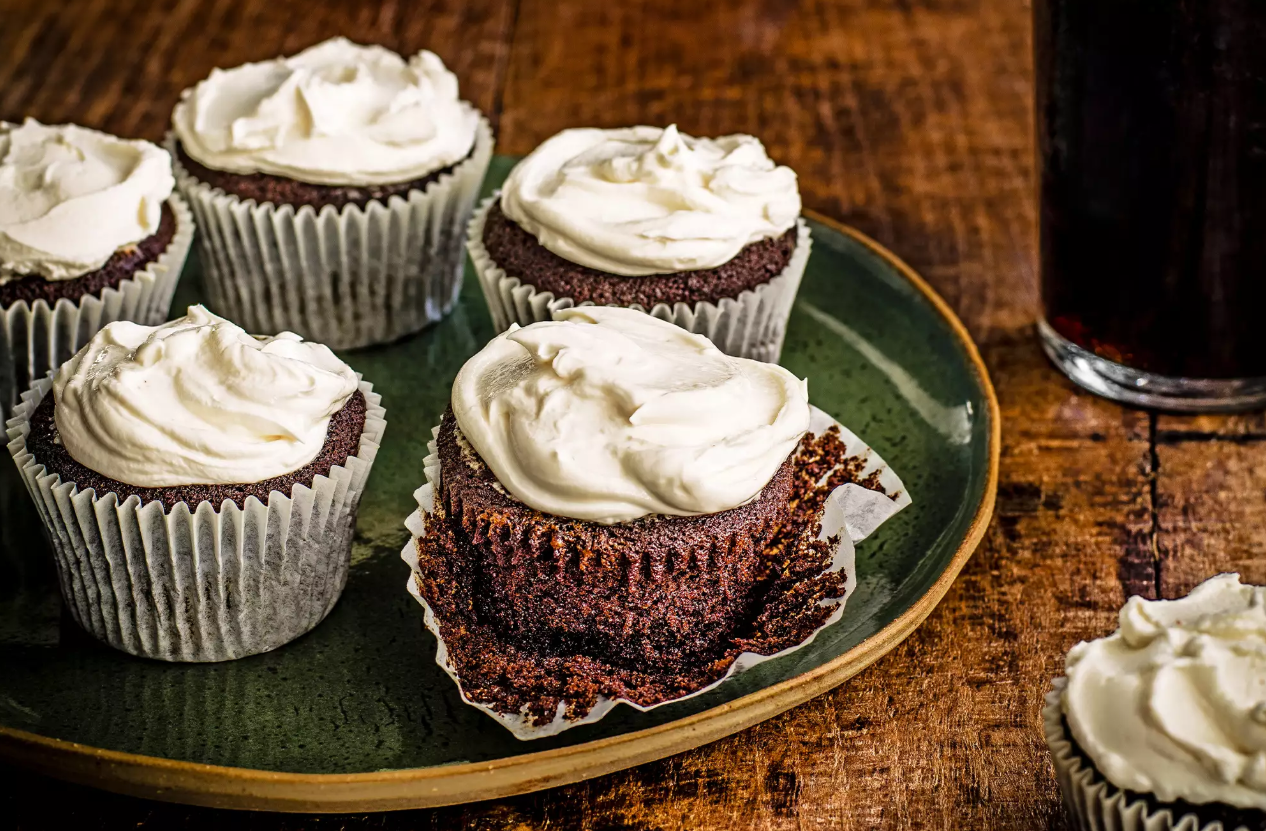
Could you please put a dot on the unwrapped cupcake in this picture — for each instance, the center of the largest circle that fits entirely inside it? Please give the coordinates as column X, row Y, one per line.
column 90, row 233
column 333, row 189
column 617, row 510
column 704, row 233
column 199, row 485
column 1162, row 725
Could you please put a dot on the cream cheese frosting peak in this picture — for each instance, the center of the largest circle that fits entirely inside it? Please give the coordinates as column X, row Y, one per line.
column 641, row 200
column 1174, row 702
column 335, row 114
column 70, row 197
column 607, row 415
column 197, row 401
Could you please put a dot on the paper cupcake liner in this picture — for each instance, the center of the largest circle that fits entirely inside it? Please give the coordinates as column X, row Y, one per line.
column 1094, row 804
column 193, row 583
column 36, row 338
column 346, row 278
column 752, row 325
column 851, row 511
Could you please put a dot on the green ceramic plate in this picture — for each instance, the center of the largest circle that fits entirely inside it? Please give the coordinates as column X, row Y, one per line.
column 357, row 716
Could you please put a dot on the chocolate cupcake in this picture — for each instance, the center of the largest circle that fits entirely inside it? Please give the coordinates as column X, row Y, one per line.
column 1162, row 725
column 524, row 550
column 617, row 509
column 704, row 233
column 333, row 188
column 90, row 233
column 199, row 485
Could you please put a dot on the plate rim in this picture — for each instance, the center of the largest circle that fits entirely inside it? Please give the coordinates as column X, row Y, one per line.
column 222, row 786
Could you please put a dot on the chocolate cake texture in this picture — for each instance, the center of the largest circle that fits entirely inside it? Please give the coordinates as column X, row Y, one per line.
column 122, row 265
column 342, row 440
column 609, row 589
column 519, row 254
column 537, row 609
column 279, row 190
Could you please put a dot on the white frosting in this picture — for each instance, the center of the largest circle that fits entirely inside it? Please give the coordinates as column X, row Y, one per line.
column 70, row 197
column 335, row 114
column 1174, row 703
column 608, row 414
column 197, row 401
column 642, row 200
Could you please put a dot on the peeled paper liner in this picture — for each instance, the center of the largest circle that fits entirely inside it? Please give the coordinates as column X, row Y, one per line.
column 752, row 325
column 197, row 583
column 851, row 511
column 36, row 338
column 1093, row 804
column 348, row 277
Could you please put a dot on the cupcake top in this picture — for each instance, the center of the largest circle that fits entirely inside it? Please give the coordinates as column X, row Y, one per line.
column 335, row 114
column 1174, row 702
column 197, row 401
column 607, row 414
column 642, row 200
column 70, row 197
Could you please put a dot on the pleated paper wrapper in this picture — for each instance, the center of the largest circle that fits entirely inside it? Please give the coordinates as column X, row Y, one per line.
column 752, row 325
column 1092, row 804
column 346, row 278
column 36, row 338
column 851, row 511
column 200, row 583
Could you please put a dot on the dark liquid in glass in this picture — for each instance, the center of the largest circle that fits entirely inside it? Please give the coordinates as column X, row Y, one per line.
column 1151, row 121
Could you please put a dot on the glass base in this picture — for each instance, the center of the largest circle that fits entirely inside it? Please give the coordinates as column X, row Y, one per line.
column 1144, row 389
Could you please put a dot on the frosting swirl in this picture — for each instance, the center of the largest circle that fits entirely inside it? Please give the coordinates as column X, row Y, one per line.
column 642, row 200
column 335, row 114
column 1174, row 703
column 607, row 414
column 70, row 197
column 197, row 401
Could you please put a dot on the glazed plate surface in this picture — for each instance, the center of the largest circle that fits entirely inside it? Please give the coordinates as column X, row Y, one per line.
column 357, row 716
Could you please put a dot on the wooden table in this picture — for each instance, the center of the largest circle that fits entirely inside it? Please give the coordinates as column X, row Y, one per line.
column 909, row 119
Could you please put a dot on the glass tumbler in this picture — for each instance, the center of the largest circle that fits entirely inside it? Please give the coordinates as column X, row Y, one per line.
column 1151, row 134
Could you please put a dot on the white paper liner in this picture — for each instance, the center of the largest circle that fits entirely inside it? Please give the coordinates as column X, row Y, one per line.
column 36, row 338
column 851, row 511
column 752, row 325
column 196, row 583
column 346, row 278
column 1091, row 802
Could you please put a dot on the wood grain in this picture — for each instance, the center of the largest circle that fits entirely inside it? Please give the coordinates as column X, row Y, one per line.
column 910, row 120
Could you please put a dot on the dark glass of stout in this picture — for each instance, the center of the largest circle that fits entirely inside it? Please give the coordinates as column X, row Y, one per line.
column 1151, row 133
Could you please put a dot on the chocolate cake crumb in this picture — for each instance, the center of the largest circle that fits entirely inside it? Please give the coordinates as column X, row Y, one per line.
column 342, row 440
column 497, row 629
column 279, row 190
column 607, row 589
column 122, row 265
column 517, row 252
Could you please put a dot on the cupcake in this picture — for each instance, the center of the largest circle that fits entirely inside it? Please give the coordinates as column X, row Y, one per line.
column 704, row 233
column 199, row 485
column 620, row 510
column 1162, row 725
column 90, row 233
column 333, row 189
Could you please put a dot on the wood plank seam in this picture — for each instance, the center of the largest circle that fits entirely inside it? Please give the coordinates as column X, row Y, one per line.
column 503, row 67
